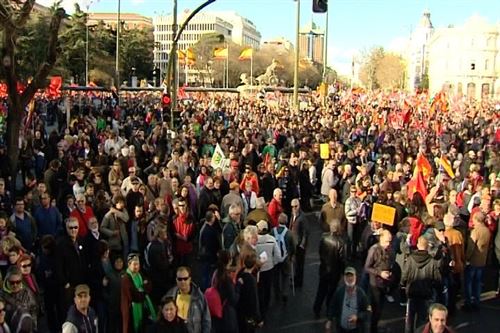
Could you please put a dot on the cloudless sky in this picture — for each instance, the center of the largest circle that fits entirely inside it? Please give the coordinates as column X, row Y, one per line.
column 353, row 24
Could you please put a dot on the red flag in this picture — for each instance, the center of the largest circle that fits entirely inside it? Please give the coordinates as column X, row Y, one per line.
column 423, row 166
column 54, row 88
column 181, row 93
column 417, row 184
column 407, row 116
column 267, row 160
column 3, row 90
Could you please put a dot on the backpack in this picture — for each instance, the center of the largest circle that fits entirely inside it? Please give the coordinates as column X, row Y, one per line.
column 214, row 302
column 280, row 238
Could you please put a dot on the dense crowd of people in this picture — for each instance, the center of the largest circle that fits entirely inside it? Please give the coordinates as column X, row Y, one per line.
column 117, row 222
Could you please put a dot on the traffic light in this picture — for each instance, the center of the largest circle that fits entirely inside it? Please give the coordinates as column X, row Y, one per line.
column 156, row 77
column 320, row 6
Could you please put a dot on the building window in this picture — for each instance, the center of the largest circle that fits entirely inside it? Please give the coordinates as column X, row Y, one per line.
column 486, row 64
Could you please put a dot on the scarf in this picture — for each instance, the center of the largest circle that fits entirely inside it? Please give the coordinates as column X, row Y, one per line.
column 137, row 308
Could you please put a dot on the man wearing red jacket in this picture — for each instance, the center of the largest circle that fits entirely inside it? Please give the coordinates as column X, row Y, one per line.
column 250, row 176
column 275, row 209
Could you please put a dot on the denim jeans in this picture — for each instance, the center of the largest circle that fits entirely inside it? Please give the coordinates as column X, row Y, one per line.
column 473, row 279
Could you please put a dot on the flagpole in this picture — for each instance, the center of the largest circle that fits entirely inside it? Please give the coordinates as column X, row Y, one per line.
column 224, row 76
column 227, row 67
column 251, row 68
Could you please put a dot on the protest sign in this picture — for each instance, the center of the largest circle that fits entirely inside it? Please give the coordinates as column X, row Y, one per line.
column 383, row 214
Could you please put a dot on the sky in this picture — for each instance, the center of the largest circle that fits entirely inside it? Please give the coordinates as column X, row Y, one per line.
column 354, row 25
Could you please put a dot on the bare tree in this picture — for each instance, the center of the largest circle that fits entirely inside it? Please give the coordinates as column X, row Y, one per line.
column 390, row 71
column 14, row 15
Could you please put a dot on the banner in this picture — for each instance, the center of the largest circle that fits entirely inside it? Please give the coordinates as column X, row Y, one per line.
column 218, row 158
column 324, row 151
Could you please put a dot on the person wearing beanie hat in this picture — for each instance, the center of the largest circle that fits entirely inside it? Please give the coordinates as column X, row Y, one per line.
column 136, row 305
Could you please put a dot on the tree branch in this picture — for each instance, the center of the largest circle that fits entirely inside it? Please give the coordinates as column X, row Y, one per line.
column 50, row 61
column 24, row 13
column 5, row 17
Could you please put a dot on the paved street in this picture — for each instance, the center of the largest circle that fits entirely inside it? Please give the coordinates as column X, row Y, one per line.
column 297, row 316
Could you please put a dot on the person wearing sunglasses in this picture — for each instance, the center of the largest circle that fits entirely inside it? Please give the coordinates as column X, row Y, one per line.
column 19, row 300
column 191, row 304
column 25, row 264
column 70, row 262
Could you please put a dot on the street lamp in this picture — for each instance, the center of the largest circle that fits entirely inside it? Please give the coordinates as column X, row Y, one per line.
column 87, row 43
column 296, row 64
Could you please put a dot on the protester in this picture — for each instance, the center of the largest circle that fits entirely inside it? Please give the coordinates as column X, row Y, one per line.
column 168, row 321
column 81, row 317
column 136, row 307
column 300, row 231
column 378, row 265
column 393, row 148
column 191, row 304
column 332, row 255
column 349, row 309
column 437, row 320
column 421, row 278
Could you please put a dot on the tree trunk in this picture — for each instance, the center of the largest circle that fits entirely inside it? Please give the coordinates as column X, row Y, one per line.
column 14, row 118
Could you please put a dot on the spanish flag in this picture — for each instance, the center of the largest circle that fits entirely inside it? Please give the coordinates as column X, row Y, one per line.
column 181, row 56
column 220, row 53
column 423, row 166
column 246, row 54
column 443, row 161
column 191, row 58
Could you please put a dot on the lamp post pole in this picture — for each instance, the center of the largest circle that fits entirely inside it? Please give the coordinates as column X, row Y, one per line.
column 173, row 54
column 325, row 49
column 87, row 43
column 296, row 64
column 117, row 60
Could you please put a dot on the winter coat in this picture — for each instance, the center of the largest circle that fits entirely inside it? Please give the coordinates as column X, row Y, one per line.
column 421, row 275
column 111, row 223
column 332, row 255
column 199, row 320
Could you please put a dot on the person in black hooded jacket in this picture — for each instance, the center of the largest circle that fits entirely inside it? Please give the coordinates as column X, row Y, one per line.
column 421, row 276
column 168, row 321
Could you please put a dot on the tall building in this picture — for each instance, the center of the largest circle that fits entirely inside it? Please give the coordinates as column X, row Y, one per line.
column 311, row 43
column 244, row 31
column 466, row 59
column 229, row 24
column 418, row 51
column 129, row 21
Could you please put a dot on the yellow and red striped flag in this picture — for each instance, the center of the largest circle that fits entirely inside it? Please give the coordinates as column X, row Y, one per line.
column 220, row 53
column 246, row 54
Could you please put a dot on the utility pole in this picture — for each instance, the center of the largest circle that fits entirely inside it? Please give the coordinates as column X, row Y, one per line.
column 117, row 60
column 173, row 54
column 296, row 64
column 325, row 49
